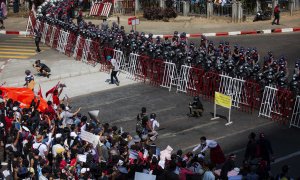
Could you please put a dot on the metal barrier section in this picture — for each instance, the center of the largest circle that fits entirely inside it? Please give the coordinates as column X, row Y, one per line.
column 195, row 82
column 266, row 107
column 132, row 65
column 44, row 33
column 142, row 64
column 170, row 76
column 225, row 85
column 48, row 35
column 295, row 120
column 239, row 93
column 78, row 51
column 86, row 51
column 62, row 41
column 104, row 62
column 120, row 58
column 53, row 31
column 156, row 68
column 56, row 38
column 70, row 44
column 183, row 78
column 211, row 82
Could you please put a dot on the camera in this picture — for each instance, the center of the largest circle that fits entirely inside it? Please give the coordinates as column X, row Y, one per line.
column 62, row 85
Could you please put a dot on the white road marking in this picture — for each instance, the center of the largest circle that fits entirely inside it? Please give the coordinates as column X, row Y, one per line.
column 167, row 135
column 278, row 160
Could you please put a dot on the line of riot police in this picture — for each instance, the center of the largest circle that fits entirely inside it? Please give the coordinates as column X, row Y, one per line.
column 234, row 61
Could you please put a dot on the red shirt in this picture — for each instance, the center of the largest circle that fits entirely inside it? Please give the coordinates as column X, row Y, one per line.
column 55, row 100
column 8, row 122
column 276, row 9
column 50, row 112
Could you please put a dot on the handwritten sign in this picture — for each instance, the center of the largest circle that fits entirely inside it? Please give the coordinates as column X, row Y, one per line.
column 222, row 100
column 89, row 137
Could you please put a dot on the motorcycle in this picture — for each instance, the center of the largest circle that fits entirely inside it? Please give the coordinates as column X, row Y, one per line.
column 263, row 15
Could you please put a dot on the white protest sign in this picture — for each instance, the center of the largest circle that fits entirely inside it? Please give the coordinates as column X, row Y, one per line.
column 81, row 157
column 89, row 137
column 144, row 176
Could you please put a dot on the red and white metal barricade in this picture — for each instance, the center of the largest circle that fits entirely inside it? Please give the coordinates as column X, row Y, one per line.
column 31, row 24
column 183, row 78
column 211, row 82
column 104, row 63
column 44, row 33
column 142, row 66
column 78, row 51
column 52, row 35
column 195, row 81
column 56, row 38
column 239, row 93
column 170, row 76
column 156, row 72
column 132, row 66
column 101, row 9
column 39, row 25
column 276, row 104
column 94, row 56
column 120, row 58
column 70, row 43
column 62, row 41
column 295, row 120
column 48, row 40
column 225, row 86
column 86, row 51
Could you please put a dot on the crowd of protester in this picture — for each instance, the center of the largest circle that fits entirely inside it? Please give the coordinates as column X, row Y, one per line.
column 49, row 145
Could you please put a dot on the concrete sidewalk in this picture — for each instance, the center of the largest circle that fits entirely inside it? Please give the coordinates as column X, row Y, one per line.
column 80, row 78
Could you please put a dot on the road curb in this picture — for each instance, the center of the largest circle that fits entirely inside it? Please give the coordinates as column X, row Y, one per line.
column 234, row 33
column 57, row 77
column 231, row 33
column 14, row 32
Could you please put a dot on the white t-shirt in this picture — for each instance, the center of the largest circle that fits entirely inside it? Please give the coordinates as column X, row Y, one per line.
column 209, row 144
column 66, row 116
column 208, row 175
column 115, row 64
column 154, row 123
column 42, row 148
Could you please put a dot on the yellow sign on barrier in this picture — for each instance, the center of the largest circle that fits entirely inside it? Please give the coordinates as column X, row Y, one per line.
column 222, row 100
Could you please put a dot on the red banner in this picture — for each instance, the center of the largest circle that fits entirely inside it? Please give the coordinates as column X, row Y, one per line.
column 23, row 95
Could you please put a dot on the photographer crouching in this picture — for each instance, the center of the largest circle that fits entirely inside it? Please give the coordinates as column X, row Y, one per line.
column 42, row 68
column 196, row 107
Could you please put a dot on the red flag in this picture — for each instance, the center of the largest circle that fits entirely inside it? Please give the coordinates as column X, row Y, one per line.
column 24, row 96
column 40, row 91
column 52, row 89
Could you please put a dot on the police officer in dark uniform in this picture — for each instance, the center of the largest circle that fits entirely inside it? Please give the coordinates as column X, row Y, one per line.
column 37, row 39
column 196, row 107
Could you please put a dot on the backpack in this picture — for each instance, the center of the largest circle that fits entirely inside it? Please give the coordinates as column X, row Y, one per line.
column 139, row 126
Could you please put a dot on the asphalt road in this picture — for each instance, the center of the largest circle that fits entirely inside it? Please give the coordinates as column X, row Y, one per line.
column 283, row 44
